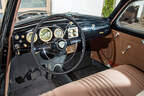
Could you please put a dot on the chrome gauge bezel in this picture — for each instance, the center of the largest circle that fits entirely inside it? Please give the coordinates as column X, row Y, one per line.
column 55, row 33
column 29, row 40
column 41, row 38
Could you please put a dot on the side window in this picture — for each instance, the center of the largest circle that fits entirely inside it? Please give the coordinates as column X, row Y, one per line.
column 133, row 17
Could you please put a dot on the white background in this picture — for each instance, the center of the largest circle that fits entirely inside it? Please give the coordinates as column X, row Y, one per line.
column 89, row 7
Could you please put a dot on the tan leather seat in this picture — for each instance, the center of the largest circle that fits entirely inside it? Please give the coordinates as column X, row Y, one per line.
column 124, row 80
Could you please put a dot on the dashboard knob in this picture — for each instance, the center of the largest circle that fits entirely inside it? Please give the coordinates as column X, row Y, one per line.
column 20, row 41
column 17, row 46
column 23, row 36
column 25, row 45
column 17, row 37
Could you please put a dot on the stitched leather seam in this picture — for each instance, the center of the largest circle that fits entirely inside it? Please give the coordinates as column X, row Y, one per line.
column 103, row 93
column 105, row 82
column 113, row 85
column 132, row 77
column 110, row 84
column 136, row 73
column 86, row 86
column 106, row 89
column 137, row 80
column 91, row 86
column 53, row 93
column 99, row 92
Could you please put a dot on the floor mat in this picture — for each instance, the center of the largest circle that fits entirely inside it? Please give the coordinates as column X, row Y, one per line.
column 37, row 87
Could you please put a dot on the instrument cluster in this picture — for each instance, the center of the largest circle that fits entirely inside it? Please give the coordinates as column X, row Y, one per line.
column 45, row 34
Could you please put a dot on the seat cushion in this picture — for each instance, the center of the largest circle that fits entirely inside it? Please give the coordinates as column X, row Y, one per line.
column 123, row 80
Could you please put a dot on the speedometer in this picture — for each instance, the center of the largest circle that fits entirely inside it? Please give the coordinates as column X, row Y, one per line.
column 29, row 37
column 58, row 33
column 45, row 34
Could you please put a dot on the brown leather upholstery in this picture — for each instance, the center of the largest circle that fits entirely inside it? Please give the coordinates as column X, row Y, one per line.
column 124, row 80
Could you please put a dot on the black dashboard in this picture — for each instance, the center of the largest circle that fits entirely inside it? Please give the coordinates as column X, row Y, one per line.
column 93, row 27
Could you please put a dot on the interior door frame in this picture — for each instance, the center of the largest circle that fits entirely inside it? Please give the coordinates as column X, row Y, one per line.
column 114, row 19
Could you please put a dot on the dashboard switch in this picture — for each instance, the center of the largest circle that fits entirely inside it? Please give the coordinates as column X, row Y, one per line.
column 17, row 37
column 17, row 46
column 20, row 41
column 23, row 36
column 25, row 45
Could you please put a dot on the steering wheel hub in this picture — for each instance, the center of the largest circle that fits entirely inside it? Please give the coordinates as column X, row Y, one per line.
column 62, row 44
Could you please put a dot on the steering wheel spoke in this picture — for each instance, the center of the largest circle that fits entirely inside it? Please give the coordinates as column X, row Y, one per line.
column 72, row 41
column 41, row 47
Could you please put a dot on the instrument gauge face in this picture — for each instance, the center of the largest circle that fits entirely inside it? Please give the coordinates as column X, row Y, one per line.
column 73, row 32
column 29, row 37
column 45, row 34
column 59, row 33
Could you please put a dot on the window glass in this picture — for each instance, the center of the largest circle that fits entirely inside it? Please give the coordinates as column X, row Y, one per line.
column 1, row 15
column 133, row 17
column 32, row 3
column 31, row 8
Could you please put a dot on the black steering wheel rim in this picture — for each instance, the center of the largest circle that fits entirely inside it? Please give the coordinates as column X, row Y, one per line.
column 82, row 42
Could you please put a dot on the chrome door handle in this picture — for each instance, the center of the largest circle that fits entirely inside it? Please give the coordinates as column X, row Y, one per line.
column 116, row 35
column 125, row 51
column 142, row 41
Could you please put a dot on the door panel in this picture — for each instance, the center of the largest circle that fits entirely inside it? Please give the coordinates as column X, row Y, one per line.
column 113, row 50
column 129, row 50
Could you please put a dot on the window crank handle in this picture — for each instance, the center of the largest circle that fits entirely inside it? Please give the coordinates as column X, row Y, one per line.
column 124, row 52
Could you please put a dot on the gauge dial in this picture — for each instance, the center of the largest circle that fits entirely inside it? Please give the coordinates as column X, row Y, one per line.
column 45, row 34
column 29, row 37
column 73, row 32
column 58, row 33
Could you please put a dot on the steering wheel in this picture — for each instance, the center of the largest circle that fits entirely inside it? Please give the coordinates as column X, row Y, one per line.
column 59, row 45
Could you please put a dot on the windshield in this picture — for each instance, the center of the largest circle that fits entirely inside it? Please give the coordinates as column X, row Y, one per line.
column 32, row 8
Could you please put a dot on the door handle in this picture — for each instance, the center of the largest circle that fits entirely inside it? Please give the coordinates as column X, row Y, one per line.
column 116, row 35
column 125, row 51
column 142, row 41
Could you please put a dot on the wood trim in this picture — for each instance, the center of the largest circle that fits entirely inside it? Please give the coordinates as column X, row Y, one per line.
column 3, row 2
column 48, row 7
column 29, row 9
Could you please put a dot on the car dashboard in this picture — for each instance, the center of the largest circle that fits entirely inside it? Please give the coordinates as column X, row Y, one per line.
column 93, row 27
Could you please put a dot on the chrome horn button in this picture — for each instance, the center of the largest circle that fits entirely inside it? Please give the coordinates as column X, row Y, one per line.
column 62, row 44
